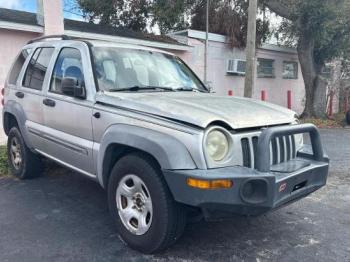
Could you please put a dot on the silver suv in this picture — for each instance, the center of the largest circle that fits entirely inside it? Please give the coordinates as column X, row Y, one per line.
column 142, row 124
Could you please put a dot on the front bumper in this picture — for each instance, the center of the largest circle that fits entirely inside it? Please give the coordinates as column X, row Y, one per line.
column 255, row 192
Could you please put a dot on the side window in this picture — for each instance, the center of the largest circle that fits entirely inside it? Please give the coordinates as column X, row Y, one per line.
column 36, row 70
column 290, row 70
column 266, row 68
column 68, row 64
column 17, row 66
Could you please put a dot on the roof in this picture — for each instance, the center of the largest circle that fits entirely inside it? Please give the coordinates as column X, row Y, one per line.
column 16, row 16
column 191, row 33
column 115, row 31
column 27, row 18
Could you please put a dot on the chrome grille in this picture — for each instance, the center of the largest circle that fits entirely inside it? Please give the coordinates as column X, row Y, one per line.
column 281, row 150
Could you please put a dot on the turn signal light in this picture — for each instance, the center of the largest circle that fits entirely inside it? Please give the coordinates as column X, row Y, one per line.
column 209, row 184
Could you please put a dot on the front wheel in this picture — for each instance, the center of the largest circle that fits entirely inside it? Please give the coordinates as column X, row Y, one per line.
column 147, row 217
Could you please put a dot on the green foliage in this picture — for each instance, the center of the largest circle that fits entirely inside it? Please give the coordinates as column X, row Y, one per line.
column 171, row 15
column 131, row 14
column 325, row 22
column 3, row 161
column 228, row 17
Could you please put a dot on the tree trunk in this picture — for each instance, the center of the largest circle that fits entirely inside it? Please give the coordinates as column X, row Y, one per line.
column 315, row 84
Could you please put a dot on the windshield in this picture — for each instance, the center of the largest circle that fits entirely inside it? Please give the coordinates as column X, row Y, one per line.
column 122, row 69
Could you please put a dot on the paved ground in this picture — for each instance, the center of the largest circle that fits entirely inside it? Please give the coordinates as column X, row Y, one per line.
column 63, row 217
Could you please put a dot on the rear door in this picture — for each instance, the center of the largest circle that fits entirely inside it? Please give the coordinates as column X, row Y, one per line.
column 29, row 93
column 68, row 129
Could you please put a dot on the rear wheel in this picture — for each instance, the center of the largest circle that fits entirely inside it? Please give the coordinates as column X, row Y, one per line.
column 23, row 163
column 147, row 217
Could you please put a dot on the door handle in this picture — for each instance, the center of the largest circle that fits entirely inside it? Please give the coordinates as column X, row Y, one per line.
column 49, row 102
column 19, row 94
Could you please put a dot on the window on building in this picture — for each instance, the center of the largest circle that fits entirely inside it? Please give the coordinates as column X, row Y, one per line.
column 36, row 70
column 266, row 68
column 290, row 70
column 68, row 64
column 17, row 66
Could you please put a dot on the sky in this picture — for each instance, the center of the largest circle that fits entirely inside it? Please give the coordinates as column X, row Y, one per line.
column 30, row 6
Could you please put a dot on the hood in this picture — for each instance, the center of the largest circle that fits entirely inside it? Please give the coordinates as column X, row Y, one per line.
column 201, row 109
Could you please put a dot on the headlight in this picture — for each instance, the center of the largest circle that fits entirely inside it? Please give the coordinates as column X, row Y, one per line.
column 217, row 145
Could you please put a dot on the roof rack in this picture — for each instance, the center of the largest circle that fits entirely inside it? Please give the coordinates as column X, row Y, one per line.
column 38, row 39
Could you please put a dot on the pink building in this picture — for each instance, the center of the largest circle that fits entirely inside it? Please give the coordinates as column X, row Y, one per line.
column 277, row 72
column 278, row 69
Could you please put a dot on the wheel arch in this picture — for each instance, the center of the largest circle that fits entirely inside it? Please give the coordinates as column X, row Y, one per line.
column 9, row 121
column 13, row 114
column 166, row 151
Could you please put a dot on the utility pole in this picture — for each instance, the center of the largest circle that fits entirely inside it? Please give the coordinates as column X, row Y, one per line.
column 250, row 49
column 206, row 44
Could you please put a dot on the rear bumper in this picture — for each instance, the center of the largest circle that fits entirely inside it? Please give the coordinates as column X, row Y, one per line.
column 255, row 192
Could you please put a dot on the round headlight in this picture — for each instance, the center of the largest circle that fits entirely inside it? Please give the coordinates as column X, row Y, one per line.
column 217, row 145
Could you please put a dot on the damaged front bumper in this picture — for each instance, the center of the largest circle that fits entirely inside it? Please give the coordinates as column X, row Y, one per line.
column 256, row 191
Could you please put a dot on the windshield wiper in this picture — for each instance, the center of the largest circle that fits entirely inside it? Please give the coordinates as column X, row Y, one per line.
column 188, row 89
column 137, row 88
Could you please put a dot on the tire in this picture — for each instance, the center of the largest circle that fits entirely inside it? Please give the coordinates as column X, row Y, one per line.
column 348, row 117
column 164, row 224
column 27, row 164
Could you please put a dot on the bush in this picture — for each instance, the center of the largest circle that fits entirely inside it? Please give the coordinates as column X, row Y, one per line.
column 4, row 168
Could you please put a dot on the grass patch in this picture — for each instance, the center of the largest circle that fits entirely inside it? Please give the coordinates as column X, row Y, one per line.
column 337, row 121
column 4, row 167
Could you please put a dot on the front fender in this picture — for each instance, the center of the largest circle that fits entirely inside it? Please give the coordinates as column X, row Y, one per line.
column 168, row 151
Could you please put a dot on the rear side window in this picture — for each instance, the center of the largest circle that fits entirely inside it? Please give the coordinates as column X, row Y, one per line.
column 17, row 66
column 36, row 70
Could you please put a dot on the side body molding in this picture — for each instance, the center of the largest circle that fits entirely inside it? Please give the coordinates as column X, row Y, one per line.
column 170, row 153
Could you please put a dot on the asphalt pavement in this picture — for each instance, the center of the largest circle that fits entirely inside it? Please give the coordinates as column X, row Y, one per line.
column 62, row 216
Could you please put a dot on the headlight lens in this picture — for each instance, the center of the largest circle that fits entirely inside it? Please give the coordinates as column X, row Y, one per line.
column 217, row 145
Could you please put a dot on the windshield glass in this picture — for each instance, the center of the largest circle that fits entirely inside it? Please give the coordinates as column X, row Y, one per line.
column 122, row 69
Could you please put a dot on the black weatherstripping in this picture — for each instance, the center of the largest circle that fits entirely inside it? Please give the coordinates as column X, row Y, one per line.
column 39, row 39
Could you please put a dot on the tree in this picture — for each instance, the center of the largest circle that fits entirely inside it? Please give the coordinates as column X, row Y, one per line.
column 132, row 14
column 322, row 33
column 230, row 18
column 171, row 15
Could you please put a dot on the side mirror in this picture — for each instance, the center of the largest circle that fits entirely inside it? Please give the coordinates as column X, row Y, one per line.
column 71, row 87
